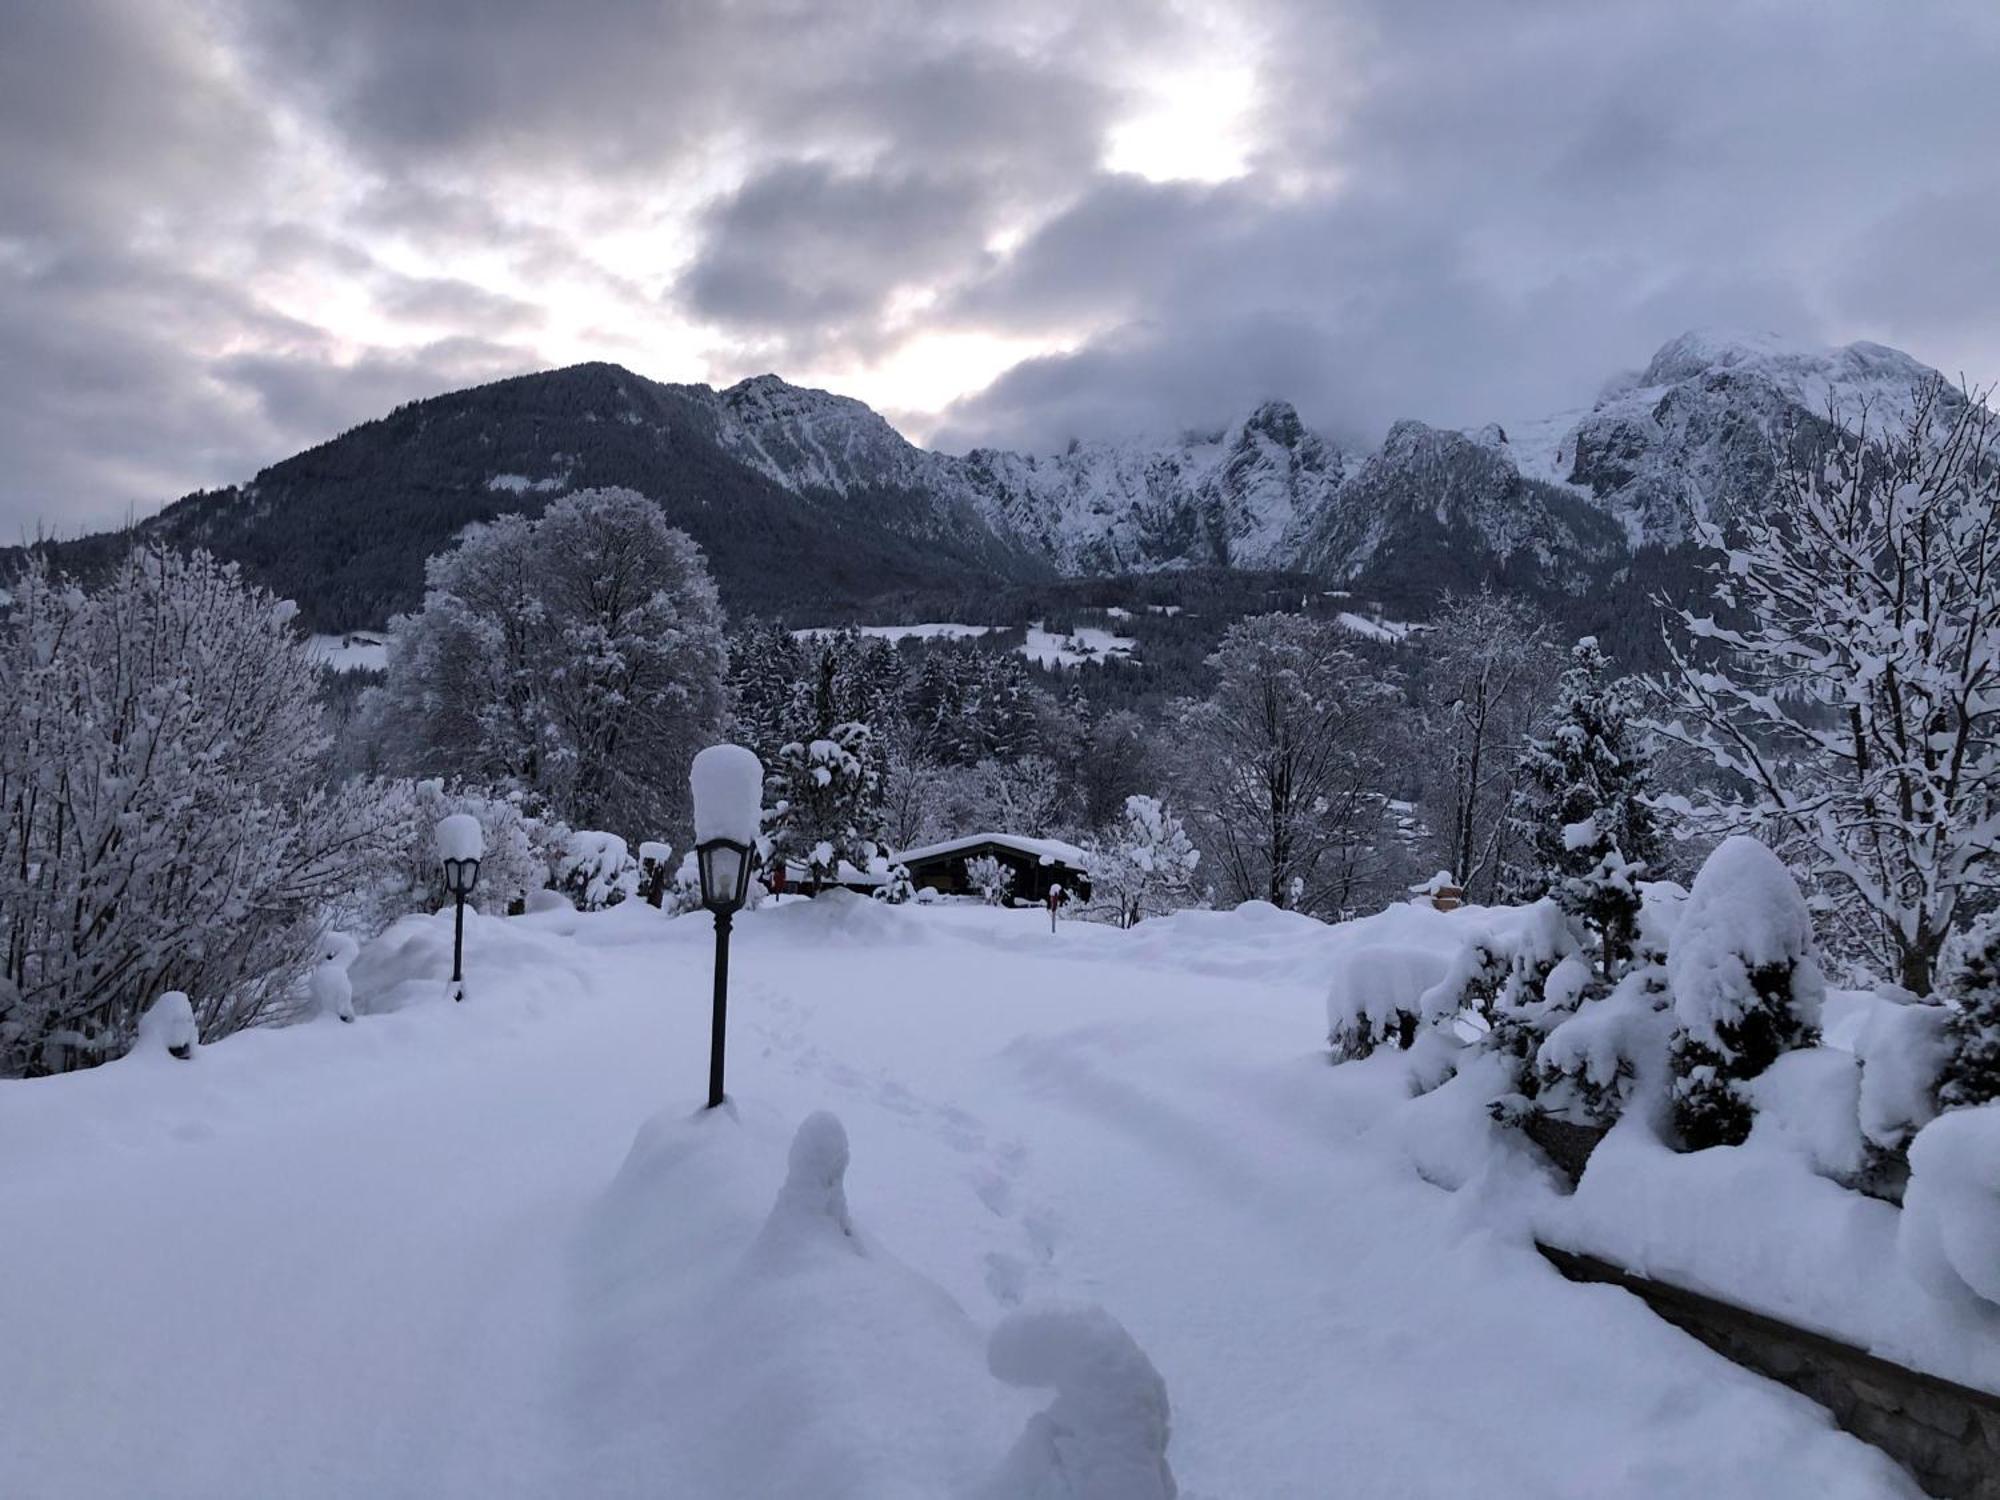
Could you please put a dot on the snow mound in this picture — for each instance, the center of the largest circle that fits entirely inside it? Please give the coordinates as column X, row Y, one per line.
column 1104, row 1437
column 728, row 786
column 1902, row 1048
column 332, row 991
column 844, row 918
column 167, row 1028
column 1744, row 913
column 776, row 1357
column 1950, row 1238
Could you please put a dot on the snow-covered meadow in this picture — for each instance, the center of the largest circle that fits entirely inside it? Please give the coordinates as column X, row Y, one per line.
column 494, row 1248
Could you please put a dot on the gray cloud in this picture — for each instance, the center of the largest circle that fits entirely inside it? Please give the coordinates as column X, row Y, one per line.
column 229, row 231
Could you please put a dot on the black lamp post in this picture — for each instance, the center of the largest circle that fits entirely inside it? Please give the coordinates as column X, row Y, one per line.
column 460, row 877
column 728, row 783
column 460, row 842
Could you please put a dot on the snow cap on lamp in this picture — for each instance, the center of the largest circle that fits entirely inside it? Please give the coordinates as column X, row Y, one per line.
column 728, row 786
column 459, row 836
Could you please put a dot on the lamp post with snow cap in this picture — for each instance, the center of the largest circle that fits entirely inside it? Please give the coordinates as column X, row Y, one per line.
column 460, row 843
column 728, row 786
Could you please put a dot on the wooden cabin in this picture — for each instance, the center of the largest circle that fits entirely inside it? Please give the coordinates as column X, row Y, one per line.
column 1037, row 864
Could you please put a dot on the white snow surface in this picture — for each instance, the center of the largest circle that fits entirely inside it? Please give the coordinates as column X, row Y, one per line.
column 358, row 651
column 402, row 1258
column 1086, row 643
column 728, row 786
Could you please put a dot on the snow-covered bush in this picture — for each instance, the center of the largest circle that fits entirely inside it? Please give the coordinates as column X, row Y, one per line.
column 1971, row 1067
column 656, row 871
column 520, row 856
column 1949, row 1236
column 1376, row 995
column 332, row 993
column 165, row 821
column 897, row 887
column 169, row 1026
column 1591, row 1061
column 596, row 870
column 990, row 878
column 1746, row 987
column 1145, row 866
column 1545, row 976
column 1902, row 1048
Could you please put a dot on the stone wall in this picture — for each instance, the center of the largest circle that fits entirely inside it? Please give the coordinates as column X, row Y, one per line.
column 1946, row 1435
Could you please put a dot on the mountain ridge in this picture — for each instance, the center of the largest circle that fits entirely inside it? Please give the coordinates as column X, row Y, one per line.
column 804, row 498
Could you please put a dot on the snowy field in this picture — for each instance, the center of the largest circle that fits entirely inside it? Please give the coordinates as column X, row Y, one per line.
column 489, row 1250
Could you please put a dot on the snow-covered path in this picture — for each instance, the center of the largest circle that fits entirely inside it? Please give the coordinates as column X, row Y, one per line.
column 340, row 1260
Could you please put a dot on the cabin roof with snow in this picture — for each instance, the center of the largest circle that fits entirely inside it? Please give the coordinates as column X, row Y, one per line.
column 1042, row 851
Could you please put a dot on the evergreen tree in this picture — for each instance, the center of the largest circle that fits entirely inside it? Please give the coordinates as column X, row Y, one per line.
column 1581, row 817
column 1971, row 1073
column 1746, row 985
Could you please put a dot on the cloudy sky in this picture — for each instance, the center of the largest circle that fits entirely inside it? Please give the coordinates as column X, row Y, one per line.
column 231, row 228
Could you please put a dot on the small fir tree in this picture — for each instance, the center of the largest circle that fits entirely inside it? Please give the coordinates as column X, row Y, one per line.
column 1581, row 811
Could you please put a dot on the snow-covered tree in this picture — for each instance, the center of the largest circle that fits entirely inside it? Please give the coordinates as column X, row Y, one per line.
column 1485, row 671
column 826, row 796
column 576, row 657
column 1588, row 835
column 1746, row 985
column 897, row 887
column 1971, row 1073
column 1854, row 709
column 164, row 822
column 597, row 870
column 990, row 878
column 1145, row 865
column 1280, row 771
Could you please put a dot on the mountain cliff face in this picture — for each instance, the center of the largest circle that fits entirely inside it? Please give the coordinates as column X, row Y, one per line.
column 806, row 499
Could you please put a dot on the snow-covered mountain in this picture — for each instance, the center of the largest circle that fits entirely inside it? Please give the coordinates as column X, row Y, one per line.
column 803, row 497
column 1692, row 435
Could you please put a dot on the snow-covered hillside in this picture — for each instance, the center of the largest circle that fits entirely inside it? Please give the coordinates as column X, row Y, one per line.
column 489, row 1249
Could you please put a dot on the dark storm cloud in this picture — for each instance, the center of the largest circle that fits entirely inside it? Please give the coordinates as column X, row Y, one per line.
column 1449, row 208
column 1491, row 208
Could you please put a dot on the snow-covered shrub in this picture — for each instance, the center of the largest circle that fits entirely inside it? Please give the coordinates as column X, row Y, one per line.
column 683, row 893
column 1746, row 986
column 520, row 856
column 990, row 878
column 1545, row 978
column 656, row 871
column 1377, row 992
column 1591, row 1062
column 165, row 818
column 1903, row 1049
column 596, row 870
column 332, row 993
column 1949, row 1236
column 1971, row 1067
column 169, row 1026
column 897, row 887
column 1145, row 866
